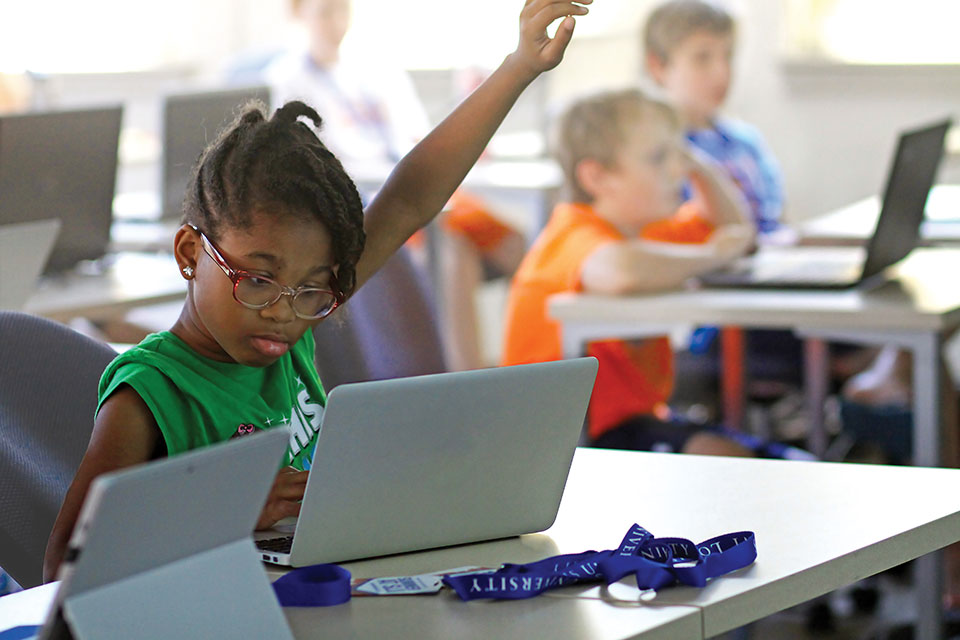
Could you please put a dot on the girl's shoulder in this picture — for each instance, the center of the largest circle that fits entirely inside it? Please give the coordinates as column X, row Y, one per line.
column 163, row 343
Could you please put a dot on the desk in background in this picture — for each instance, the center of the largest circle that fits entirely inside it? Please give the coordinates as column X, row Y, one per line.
column 122, row 282
column 819, row 526
column 853, row 224
column 915, row 311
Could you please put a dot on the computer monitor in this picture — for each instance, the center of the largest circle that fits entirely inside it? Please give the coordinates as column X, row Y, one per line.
column 191, row 121
column 62, row 164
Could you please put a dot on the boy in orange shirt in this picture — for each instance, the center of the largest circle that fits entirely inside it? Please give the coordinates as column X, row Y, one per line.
column 625, row 164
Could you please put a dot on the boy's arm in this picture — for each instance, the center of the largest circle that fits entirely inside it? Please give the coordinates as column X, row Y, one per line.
column 637, row 266
column 720, row 200
column 426, row 177
column 642, row 266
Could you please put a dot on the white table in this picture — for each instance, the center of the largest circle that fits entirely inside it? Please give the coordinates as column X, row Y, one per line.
column 819, row 526
column 916, row 311
column 127, row 280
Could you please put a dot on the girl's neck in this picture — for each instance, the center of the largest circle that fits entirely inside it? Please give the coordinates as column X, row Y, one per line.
column 190, row 333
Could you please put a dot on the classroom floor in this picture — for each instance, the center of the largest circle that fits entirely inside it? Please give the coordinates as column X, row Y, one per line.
column 890, row 620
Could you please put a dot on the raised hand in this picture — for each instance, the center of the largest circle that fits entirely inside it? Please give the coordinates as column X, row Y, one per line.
column 536, row 49
column 425, row 178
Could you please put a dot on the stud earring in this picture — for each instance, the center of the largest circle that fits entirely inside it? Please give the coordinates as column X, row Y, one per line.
column 188, row 271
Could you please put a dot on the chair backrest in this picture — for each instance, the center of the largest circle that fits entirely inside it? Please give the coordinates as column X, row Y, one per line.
column 388, row 329
column 48, row 394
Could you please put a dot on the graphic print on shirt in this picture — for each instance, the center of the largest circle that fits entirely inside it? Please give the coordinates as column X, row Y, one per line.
column 304, row 421
column 303, row 424
column 243, row 430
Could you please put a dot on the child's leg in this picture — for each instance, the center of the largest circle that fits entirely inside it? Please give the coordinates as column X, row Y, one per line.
column 887, row 381
column 705, row 443
column 471, row 238
column 461, row 272
column 649, row 433
column 505, row 256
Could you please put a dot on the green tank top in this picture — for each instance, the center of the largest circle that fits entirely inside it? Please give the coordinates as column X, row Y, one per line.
column 198, row 401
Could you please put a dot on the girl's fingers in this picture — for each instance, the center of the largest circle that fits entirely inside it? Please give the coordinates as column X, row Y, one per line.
column 293, row 477
column 287, row 509
column 543, row 13
column 288, row 485
column 555, row 48
column 290, row 476
column 536, row 17
column 291, row 492
column 277, row 510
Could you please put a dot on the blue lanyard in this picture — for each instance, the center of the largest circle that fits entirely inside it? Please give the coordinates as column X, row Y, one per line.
column 655, row 562
column 319, row 585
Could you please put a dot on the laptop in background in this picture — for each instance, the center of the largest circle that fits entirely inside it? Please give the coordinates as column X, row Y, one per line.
column 24, row 249
column 163, row 549
column 62, row 164
column 912, row 175
column 430, row 461
column 191, row 121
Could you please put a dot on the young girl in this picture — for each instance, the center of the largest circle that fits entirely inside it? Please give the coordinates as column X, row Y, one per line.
column 274, row 240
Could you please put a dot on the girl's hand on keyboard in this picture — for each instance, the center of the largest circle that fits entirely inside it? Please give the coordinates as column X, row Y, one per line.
column 285, row 496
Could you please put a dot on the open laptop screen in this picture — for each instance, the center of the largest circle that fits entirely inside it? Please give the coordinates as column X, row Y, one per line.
column 912, row 173
column 191, row 121
column 62, row 164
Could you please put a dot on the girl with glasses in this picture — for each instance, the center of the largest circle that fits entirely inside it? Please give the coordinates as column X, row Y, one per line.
column 275, row 239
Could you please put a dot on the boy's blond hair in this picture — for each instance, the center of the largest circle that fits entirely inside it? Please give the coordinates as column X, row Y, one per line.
column 595, row 128
column 673, row 21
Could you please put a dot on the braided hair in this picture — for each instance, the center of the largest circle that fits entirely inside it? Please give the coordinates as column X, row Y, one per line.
column 277, row 165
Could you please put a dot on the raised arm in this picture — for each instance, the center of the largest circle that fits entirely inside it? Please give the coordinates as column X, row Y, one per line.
column 641, row 266
column 638, row 266
column 720, row 200
column 426, row 177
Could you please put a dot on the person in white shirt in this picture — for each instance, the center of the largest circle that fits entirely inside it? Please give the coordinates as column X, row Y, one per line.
column 372, row 117
column 373, row 107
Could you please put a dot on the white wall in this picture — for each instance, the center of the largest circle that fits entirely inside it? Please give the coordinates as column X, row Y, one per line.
column 833, row 129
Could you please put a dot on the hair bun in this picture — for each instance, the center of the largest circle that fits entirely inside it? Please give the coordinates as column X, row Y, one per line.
column 293, row 110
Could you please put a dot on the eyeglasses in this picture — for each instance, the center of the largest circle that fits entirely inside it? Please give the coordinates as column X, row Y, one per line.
column 259, row 292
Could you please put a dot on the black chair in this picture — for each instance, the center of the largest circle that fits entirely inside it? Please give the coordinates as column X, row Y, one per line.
column 387, row 329
column 48, row 394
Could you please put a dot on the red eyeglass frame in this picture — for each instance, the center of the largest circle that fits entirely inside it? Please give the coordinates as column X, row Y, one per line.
column 236, row 275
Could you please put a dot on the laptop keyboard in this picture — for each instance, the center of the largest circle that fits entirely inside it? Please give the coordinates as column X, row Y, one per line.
column 277, row 545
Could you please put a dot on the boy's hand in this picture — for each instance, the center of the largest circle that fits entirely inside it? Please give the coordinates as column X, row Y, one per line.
column 536, row 50
column 700, row 166
column 285, row 496
column 732, row 241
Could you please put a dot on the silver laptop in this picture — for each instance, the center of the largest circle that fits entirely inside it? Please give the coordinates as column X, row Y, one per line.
column 912, row 174
column 24, row 249
column 62, row 164
column 191, row 121
column 163, row 550
column 430, row 461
